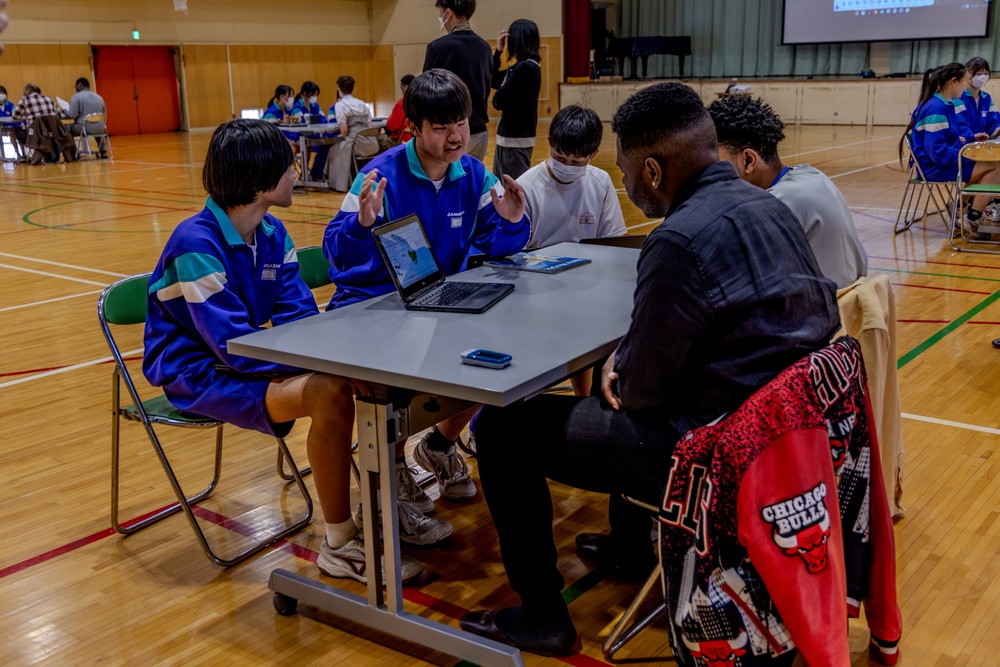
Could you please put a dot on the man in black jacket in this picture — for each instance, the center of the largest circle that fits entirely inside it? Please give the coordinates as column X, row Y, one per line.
column 469, row 56
column 728, row 295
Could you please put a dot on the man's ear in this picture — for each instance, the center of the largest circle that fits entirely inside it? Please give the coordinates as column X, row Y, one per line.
column 751, row 160
column 412, row 127
column 652, row 168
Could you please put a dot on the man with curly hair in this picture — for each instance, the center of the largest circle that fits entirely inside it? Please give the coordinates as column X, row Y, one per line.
column 749, row 133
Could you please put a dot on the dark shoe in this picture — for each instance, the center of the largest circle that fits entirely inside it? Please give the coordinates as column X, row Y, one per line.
column 634, row 563
column 555, row 640
column 996, row 343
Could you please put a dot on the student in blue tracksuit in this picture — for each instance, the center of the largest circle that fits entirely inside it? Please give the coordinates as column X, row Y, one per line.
column 228, row 271
column 461, row 205
column 306, row 103
column 7, row 110
column 937, row 132
column 980, row 114
column 279, row 110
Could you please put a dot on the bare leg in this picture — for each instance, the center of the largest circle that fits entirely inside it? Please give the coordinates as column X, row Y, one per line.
column 329, row 402
column 582, row 382
column 988, row 173
column 452, row 427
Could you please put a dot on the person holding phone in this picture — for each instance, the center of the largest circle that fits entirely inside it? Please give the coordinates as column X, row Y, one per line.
column 516, row 97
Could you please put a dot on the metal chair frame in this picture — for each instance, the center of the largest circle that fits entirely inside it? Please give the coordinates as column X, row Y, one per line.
column 963, row 190
column 924, row 192
column 141, row 411
column 82, row 140
column 359, row 161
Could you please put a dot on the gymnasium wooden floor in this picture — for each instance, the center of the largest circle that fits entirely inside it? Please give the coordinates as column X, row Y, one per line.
column 75, row 593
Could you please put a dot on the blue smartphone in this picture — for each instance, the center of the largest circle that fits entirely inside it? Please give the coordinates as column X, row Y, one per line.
column 486, row 358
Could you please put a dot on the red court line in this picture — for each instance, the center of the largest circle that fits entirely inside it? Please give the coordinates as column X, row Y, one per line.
column 56, row 368
column 927, row 261
column 943, row 289
column 925, row 321
column 983, row 322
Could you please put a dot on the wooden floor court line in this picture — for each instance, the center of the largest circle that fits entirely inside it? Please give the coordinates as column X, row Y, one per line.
column 836, row 147
column 47, row 301
column 62, row 264
column 52, row 275
column 66, row 369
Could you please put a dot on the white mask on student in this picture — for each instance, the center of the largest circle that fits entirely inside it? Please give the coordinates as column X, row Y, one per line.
column 442, row 21
column 566, row 173
column 3, row 98
column 313, row 99
column 980, row 80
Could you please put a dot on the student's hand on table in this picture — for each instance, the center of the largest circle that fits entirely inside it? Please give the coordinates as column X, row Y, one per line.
column 608, row 376
column 981, row 136
column 370, row 201
column 511, row 205
column 502, row 41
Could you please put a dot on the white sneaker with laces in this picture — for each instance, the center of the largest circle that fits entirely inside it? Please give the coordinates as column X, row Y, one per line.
column 349, row 562
column 414, row 527
column 408, row 491
column 449, row 468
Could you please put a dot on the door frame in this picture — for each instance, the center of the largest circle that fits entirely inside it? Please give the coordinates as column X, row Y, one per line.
column 178, row 69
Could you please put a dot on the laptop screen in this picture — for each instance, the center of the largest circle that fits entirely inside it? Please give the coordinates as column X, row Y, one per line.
column 408, row 255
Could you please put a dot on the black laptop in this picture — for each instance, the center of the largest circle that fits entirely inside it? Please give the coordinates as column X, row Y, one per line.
column 418, row 277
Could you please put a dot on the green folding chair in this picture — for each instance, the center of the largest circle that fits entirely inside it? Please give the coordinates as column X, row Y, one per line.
column 122, row 304
column 980, row 151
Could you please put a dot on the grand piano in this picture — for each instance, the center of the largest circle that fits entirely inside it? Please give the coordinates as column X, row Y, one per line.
column 634, row 48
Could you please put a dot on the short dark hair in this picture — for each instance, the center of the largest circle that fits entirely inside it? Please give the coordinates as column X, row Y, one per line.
column 576, row 131
column 657, row 113
column 32, row 88
column 743, row 122
column 245, row 157
column 345, row 83
column 3, row 90
column 523, row 41
column 463, row 8
column 407, row 79
column 307, row 88
column 977, row 65
column 83, row 83
column 437, row 96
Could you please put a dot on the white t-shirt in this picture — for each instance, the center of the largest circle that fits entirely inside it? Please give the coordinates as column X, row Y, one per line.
column 585, row 209
column 349, row 105
column 827, row 221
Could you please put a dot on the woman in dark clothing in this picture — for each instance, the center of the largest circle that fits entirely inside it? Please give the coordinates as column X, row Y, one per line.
column 516, row 97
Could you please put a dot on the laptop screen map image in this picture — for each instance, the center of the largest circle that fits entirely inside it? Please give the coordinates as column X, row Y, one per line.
column 410, row 257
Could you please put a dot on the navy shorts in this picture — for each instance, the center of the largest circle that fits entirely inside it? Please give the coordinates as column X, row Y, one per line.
column 234, row 399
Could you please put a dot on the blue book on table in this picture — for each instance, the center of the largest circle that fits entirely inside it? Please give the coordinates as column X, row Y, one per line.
column 523, row 261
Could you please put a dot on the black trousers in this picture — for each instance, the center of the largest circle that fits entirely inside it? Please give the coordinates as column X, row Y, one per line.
column 578, row 441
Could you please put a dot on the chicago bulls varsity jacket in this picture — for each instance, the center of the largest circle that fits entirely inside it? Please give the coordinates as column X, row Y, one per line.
column 767, row 547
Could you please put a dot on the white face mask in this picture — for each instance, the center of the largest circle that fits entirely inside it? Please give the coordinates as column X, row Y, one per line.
column 312, row 100
column 442, row 21
column 980, row 80
column 566, row 173
column 3, row 98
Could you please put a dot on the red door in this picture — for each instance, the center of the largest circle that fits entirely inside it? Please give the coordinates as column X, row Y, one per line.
column 139, row 87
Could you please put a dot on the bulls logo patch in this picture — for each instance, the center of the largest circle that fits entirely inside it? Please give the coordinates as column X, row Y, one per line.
column 717, row 652
column 801, row 527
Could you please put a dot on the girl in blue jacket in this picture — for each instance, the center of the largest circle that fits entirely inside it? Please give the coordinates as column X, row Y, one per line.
column 306, row 103
column 980, row 114
column 938, row 130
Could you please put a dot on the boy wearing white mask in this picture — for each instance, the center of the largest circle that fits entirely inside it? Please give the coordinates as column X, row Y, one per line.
column 569, row 199
column 980, row 114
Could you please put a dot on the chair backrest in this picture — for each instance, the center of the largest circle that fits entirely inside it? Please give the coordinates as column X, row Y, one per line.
column 95, row 118
column 124, row 302
column 370, row 132
column 313, row 267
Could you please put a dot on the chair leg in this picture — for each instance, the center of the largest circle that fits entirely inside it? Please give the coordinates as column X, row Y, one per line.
column 625, row 629
column 135, row 526
column 281, row 468
column 903, row 219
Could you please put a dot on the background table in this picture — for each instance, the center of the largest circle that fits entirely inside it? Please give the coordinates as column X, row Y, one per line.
column 552, row 325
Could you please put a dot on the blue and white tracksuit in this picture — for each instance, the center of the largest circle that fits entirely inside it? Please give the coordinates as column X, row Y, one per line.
column 7, row 109
column 302, row 108
column 937, row 136
column 980, row 114
column 206, row 290
column 457, row 218
column 274, row 112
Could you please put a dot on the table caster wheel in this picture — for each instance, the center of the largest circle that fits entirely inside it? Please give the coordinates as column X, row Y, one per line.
column 284, row 605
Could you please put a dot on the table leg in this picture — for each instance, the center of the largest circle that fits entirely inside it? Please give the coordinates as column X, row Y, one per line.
column 380, row 426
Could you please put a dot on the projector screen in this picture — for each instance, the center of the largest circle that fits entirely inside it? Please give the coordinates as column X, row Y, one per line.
column 811, row 21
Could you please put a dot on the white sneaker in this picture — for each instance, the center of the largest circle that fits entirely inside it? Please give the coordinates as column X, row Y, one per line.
column 449, row 468
column 349, row 562
column 414, row 527
column 408, row 491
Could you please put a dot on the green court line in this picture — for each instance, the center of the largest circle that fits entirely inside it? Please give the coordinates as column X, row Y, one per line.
column 927, row 344
column 585, row 583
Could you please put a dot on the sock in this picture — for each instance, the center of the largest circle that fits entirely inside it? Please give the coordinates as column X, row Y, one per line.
column 339, row 534
column 439, row 443
column 973, row 214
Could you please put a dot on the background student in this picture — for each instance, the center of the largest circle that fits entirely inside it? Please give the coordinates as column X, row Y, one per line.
column 7, row 107
column 395, row 125
column 207, row 289
column 84, row 103
column 279, row 110
column 306, row 104
column 516, row 97
column 937, row 134
column 467, row 55
column 982, row 117
column 353, row 116
column 461, row 205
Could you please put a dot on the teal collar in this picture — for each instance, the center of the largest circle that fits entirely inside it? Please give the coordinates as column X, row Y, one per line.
column 455, row 169
column 228, row 230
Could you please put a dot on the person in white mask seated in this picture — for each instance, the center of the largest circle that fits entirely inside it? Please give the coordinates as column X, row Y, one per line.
column 569, row 199
column 980, row 114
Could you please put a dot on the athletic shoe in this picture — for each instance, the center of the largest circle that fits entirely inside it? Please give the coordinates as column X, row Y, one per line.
column 414, row 527
column 449, row 468
column 349, row 562
column 408, row 491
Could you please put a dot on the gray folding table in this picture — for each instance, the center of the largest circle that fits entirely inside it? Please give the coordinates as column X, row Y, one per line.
column 552, row 325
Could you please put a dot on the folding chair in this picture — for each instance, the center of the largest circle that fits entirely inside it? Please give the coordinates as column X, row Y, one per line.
column 980, row 151
column 124, row 303
column 361, row 160
column 83, row 145
column 919, row 194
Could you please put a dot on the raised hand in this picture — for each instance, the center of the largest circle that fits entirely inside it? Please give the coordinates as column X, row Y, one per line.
column 370, row 201
column 511, row 205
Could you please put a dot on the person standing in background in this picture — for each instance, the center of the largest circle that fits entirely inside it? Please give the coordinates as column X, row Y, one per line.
column 517, row 97
column 466, row 54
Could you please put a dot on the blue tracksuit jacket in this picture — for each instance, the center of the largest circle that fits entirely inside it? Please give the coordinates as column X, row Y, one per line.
column 980, row 115
column 459, row 217
column 937, row 137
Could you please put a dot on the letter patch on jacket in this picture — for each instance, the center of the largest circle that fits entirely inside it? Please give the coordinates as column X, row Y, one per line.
column 801, row 526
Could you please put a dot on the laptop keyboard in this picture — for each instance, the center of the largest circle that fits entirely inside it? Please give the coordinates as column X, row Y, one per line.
column 449, row 294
